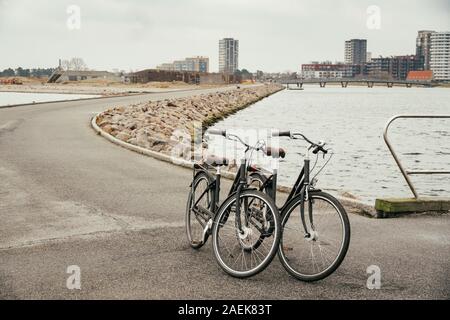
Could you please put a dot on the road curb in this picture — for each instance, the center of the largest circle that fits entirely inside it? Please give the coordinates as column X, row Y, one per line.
column 132, row 147
column 357, row 206
column 67, row 100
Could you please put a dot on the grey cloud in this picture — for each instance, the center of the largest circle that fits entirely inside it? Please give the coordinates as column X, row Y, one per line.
column 274, row 35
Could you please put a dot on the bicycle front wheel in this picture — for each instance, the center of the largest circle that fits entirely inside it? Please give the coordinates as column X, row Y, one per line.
column 314, row 254
column 232, row 256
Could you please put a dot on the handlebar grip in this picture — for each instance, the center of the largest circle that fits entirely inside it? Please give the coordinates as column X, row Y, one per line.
column 318, row 148
column 281, row 134
column 217, row 132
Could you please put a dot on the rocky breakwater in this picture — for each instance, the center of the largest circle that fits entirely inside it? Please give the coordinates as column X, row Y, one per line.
column 152, row 124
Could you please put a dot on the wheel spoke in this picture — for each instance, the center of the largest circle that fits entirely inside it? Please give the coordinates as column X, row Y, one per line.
column 323, row 249
column 249, row 253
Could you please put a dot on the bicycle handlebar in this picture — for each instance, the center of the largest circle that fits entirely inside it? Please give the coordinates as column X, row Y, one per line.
column 281, row 134
column 229, row 136
column 217, row 132
column 317, row 146
column 233, row 137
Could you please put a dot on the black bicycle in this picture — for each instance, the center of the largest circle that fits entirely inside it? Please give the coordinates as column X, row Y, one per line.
column 246, row 227
column 316, row 229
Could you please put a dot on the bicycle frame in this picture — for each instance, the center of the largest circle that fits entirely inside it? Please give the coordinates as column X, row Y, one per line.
column 302, row 187
column 299, row 186
column 239, row 182
column 239, row 185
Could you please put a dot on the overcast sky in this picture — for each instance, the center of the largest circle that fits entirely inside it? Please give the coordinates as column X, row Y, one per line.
column 274, row 35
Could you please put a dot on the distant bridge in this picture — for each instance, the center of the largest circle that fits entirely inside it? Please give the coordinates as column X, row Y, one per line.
column 344, row 82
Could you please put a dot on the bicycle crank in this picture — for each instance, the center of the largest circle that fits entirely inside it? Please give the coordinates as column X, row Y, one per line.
column 207, row 229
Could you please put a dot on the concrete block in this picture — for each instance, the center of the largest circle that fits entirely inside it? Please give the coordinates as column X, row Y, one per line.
column 411, row 205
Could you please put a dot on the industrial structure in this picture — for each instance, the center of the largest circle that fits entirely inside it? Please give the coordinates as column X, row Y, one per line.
column 191, row 77
column 60, row 75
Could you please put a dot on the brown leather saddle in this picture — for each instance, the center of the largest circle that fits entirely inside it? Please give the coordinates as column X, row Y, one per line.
column 275, row 152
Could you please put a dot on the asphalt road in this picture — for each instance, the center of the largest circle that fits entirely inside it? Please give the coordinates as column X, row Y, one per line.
column 70, row 197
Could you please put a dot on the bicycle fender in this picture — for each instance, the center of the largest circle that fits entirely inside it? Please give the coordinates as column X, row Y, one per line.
column 209, row 175
column 232, row 195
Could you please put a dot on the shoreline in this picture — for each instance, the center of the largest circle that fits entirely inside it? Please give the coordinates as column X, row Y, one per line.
column 153, row 124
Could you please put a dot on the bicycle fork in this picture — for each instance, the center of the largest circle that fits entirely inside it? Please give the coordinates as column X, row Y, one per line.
column 242, row 182
column 305, row 197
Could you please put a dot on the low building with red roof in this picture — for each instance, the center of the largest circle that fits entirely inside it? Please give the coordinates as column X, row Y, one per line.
column 426, row 75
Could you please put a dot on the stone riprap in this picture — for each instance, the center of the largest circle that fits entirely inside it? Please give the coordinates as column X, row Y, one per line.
column 152, row 124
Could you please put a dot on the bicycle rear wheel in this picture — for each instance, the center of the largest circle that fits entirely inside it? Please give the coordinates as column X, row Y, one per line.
column 234, row 258
column 317, row 253
column 197, row 207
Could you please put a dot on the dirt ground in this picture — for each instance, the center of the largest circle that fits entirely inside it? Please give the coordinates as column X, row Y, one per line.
column 100, row 86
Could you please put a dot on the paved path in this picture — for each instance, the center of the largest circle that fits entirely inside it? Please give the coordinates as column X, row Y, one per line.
column 69, row 197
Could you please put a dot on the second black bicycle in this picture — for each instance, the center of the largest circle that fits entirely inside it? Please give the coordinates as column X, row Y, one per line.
column 246, row 227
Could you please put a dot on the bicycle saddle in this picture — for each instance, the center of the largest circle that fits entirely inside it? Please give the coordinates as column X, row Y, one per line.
column 215, row 161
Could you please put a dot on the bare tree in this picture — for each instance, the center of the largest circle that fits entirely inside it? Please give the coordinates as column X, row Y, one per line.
column 65, row 64
column 76, row 64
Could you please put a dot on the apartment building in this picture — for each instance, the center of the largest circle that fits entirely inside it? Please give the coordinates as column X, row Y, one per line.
column 423, row 48
column 228, row 55
column 355, row 51
column 194, row 64
column 440, row 56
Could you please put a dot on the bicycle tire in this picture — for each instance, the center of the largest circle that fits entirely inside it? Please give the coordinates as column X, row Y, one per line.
column 221, row 218
column 194, row 240
column 288, row 263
